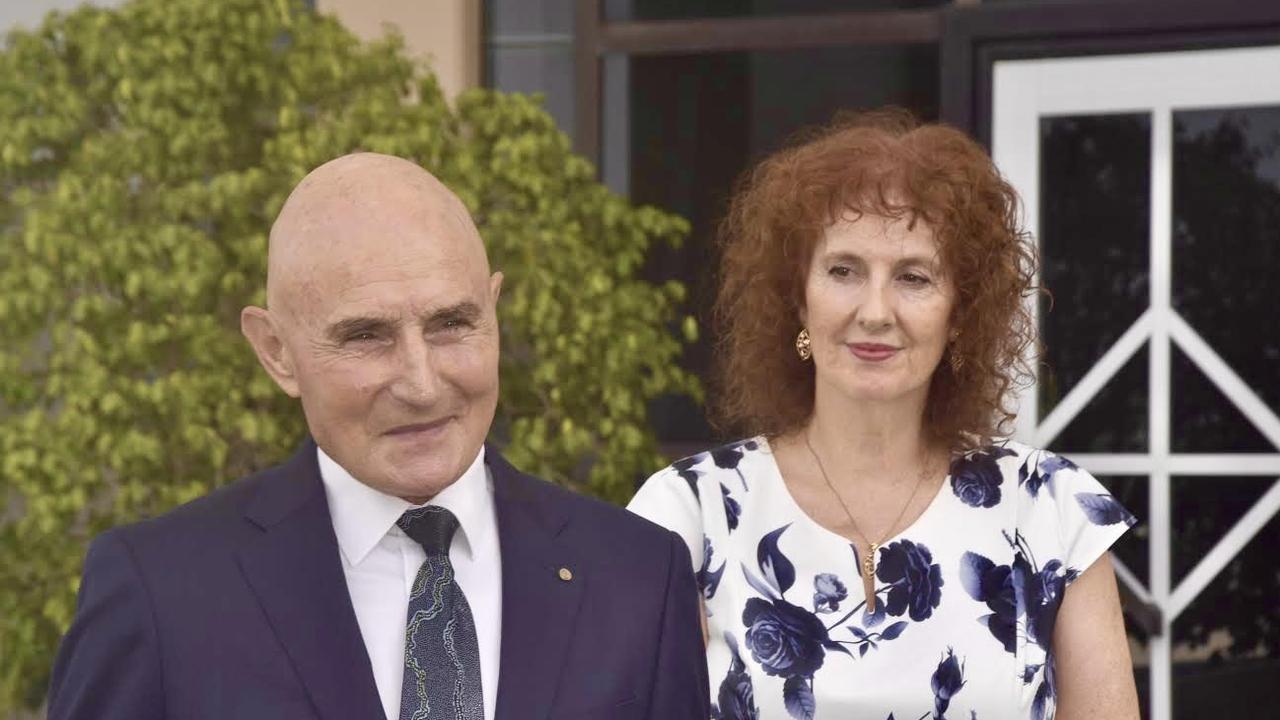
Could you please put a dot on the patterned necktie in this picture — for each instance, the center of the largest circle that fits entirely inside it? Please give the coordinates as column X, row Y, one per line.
column 441, row 654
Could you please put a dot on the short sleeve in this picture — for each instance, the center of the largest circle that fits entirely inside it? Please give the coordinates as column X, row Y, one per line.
column 1089, row 519
column 666, row 499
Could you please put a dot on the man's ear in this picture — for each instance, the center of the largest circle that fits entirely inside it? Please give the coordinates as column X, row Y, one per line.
column 495, row 287
column 259, row 327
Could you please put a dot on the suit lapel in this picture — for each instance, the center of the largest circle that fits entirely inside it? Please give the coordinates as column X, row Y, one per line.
column 295, row 571
column 538, row 606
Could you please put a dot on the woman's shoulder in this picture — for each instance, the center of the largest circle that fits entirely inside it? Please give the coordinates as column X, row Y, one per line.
column 1046, row 488
column 708, row 475
column 687, row 495
column 987, row 475
column 732, row 457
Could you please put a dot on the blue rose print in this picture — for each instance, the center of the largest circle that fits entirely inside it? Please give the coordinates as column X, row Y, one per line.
column 728, row 457
column 976, row 477
column 866, row 641
column 1039, row 470
column 1102, row 509
column 947, row 680
column 915, row 582
column 684, row 468
column 732, row 510
column 708, row 579
column 828, row 591
column 1036, row 593
column 736, row 699
column 992, row 584
column 787, row 641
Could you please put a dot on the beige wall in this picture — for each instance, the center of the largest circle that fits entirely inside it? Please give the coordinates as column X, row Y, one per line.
column 27, row 14
column 445, row 33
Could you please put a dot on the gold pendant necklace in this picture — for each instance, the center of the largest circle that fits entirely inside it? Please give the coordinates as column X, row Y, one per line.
column 869, row 559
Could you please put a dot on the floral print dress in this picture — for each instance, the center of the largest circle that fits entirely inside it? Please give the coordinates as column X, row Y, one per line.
column 966, row 596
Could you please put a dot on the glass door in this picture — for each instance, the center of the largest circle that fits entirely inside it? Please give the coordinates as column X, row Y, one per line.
column 1152, row 182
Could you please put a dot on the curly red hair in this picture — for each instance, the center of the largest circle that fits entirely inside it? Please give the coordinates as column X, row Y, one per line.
column 883, row 163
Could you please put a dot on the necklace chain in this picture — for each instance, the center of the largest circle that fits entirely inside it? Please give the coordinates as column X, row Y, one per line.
column 868, row 565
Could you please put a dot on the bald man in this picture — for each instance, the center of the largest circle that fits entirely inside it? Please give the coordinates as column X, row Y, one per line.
column 395, row 567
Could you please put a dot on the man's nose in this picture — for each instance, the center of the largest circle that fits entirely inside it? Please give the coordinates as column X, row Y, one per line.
column 416, row 379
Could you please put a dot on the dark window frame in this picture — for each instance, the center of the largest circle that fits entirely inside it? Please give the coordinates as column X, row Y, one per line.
column 594, row 37
column 974, row 38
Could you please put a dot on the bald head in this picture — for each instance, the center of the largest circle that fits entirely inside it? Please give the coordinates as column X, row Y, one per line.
column 355, row 209
column 382, row 321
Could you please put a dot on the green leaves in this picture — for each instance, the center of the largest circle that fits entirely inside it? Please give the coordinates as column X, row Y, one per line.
column 144, row 152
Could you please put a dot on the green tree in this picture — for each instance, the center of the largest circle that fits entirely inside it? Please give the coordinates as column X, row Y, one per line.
column 144, row 152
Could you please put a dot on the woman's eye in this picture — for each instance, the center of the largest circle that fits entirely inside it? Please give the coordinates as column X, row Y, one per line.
column 362, row 337
column 915, row 279
column 840, row 271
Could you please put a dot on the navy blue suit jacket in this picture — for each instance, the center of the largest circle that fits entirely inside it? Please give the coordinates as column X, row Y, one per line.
column 235, row 607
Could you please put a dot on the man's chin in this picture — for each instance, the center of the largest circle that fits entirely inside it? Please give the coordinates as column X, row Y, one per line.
column 419, row 477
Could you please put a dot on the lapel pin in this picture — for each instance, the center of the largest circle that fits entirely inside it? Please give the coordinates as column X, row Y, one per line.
column 565, row 574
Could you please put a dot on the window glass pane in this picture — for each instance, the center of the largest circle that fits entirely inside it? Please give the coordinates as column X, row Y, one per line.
column 1227, row 642
column 1094, row 243
column 529, row 17
column 1226, row 251
column 1116, row 418
column 1204, row 420
column 546, row 70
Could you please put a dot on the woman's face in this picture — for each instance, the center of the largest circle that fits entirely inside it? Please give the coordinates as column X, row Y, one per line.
column 878, row 308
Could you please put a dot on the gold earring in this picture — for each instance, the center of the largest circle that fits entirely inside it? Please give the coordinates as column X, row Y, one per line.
column 955, row 359
column 803, row 348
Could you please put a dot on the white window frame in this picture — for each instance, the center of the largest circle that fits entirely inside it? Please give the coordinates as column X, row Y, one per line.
column 1024, row 91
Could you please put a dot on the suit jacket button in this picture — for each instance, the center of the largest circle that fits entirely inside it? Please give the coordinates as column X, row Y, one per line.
column 565, row 574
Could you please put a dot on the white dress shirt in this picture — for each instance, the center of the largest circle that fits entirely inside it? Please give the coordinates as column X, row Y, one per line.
column 380, row 563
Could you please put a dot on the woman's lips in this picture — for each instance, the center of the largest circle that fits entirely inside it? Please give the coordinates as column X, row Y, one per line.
column 872, row 352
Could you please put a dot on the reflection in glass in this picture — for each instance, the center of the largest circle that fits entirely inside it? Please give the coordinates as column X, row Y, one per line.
column 528, row 17
column 537, row 69
column 1094, row 241
column 1227, row 642
column 1226, row 237
column 1204, row 420
column 1116, row 418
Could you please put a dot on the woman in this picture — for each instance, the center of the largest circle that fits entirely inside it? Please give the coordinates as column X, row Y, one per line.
column 872, row 550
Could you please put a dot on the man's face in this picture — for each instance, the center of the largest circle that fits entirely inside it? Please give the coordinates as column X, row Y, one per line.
column 391, row 337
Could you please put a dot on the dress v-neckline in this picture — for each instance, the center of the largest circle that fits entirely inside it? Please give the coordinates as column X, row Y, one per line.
column 931, row 508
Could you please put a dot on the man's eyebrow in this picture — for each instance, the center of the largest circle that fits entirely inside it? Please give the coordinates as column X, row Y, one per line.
column 465, row 310
column 347, row 327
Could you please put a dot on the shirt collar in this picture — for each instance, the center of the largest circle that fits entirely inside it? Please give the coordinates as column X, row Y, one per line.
column 362, row 515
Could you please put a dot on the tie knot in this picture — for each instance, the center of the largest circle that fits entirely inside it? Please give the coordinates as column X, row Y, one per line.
column 431, row 526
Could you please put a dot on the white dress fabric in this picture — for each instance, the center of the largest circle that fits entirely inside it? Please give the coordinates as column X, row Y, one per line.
column 967, row 595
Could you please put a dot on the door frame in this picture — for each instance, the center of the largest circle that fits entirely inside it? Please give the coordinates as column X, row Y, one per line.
column 975, row 37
